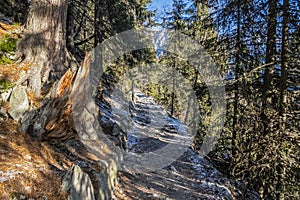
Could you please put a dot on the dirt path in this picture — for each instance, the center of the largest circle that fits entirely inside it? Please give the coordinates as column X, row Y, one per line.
column 181, row 180
column 153, row 136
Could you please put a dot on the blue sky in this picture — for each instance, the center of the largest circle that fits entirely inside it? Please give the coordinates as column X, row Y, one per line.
column 160, row 5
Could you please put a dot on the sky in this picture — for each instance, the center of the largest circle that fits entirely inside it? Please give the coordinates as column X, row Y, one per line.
column 160, row 5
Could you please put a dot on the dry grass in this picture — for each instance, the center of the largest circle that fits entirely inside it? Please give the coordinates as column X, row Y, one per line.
column 33, row 168
column 24, row 166
column 11, row 72
column 7, row 29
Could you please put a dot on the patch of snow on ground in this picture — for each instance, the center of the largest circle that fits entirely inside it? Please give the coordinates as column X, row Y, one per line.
column 4, row 176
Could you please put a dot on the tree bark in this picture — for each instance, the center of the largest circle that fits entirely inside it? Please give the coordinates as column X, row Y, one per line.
column 44, row 44
column 284, row 60
column 234, row 139
column 49, row 77
column 265, row 114
column 270, row 61
column 280, row 187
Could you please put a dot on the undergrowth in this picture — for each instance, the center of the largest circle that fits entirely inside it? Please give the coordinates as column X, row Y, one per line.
column 7, row 48
column 8, row 43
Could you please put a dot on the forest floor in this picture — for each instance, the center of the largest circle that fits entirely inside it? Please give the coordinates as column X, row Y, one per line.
column 189, row 176
column 25, row 170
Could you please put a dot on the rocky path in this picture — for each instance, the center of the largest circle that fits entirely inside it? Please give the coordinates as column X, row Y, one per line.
column 152, row 134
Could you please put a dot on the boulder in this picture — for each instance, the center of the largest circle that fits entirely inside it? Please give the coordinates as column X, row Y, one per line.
column 18, row 103
column 78, row 184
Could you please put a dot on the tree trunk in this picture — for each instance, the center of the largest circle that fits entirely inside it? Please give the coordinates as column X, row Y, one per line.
column 283, row 97
column 234, row 139
column 270, row 61
column 70, row 33
column 44, row 43
column 284, row 60
column 48, row 78
column 173, row 89
column 265, row 115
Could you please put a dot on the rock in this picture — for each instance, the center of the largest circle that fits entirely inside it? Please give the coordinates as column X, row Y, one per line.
column 18, row 103
column 5, row 95
column 107, row 179
column 78, row 183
